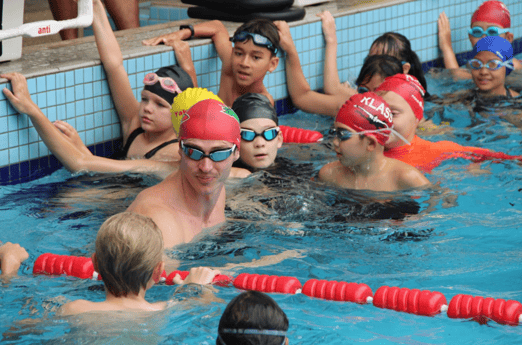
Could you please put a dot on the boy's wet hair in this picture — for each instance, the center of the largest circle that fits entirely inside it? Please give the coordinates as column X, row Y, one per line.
column 128, row 248
column 262, row 27
column 383, row 65
column 397, row 45
column 252, row 310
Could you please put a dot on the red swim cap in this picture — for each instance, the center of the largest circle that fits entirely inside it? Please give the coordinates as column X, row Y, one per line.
column 409, row 88
column 210, row 119
column 367, row 112
column 494, row 12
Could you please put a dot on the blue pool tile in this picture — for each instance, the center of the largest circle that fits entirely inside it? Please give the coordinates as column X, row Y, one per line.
column 50, row 81
column 78, row 90
column 69, row 78
column 33, row 151
column 107, row 102
column 131, row 66
column 60, row 96
column 154, row 12
column 107, row 117
column 41, row 84
column 69, row 95
column 163, row 14
column 107, row 134
column 105, row 87
column 41, row 100
column 88, row 90
column 78, row 76
column 13, row 139
column 4, row 142
column 98, row 135
column 80, row 108
column 3, row 124
column 70, row 111
column 87, row 75
column 149, row 63
column 140, row 64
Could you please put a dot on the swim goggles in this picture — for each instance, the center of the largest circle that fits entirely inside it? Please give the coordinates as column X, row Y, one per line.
column 362, row 89
column 269, row 134
column 492, row 65
column 259, row 40
column 216, row 156
column 167, row 83
column 478, row 32
column 343, row 134
column 251, row 331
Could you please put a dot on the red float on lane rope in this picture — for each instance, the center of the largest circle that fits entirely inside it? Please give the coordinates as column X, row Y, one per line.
column 76, row 266
column 413, row 301
column 300, row 135
column 499, row 310
column 337, row 291
column 266, row 283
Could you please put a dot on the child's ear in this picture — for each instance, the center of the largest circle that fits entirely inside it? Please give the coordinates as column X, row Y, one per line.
column 510, row 37
column 406, row 68
column 280, row 139
column 274, row 61
column 372, row 143
column 95, row 262
column 158, row 270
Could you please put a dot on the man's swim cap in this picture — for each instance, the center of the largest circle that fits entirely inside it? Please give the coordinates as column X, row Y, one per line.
column 210, row 119
column 367, row 112
column 175, row 72
column 254, row 106
column 494, row 12
column 409, row 88
column 187, row 99
column 498, row 46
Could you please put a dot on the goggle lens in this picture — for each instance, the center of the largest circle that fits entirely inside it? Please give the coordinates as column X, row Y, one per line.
column 216, row 156
column 268, row 134
column 478, row 32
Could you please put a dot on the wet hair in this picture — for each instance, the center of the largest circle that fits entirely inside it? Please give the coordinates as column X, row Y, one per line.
column 262, row 27
column 252, row 310
column 383, row 65
column 397, row 45
column 128, row 248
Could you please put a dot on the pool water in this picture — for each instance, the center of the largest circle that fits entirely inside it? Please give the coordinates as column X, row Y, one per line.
column 465, row 239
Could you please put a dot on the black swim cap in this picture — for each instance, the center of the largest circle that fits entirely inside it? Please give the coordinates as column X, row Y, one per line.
column 175, row 72
column 254, row 106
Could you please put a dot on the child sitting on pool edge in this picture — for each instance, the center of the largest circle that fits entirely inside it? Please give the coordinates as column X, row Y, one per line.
column 492, row 62
column 362, row 127
column 492, row 18
column 129, row 258
column 245, row 64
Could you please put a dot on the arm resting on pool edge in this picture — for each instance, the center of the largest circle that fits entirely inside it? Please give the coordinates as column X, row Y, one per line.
column 71, row 157
column 300, row 92
column 11, row 256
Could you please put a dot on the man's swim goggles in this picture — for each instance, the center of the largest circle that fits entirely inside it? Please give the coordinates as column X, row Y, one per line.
column 216, row 155
column 478, row 32
column 492, row 65
column 167, row 84
column 268, row 134
column 259, row 40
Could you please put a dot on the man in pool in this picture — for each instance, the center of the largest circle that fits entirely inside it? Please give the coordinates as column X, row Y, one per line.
column 244, row 64
column 193, row 198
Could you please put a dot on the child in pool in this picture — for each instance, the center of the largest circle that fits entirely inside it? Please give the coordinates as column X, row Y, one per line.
column 260, row 134
column 129, row 258
column 253, row 317
column 390, row 43
column 374, row 70
column 362, row 127
column 11, row 257
column 404, row 95
column 245, row 63
column 492, row 18
column 492, row 62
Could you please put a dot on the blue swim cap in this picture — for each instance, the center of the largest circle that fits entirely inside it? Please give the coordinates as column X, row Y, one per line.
column 498, row 46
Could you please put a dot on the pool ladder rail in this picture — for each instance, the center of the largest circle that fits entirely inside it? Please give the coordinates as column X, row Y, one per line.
column 50, row 27
column 413, row 301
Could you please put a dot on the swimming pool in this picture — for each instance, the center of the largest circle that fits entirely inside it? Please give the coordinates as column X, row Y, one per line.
column 464, row 241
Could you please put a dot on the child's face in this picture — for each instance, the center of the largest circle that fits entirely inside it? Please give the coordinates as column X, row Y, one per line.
column 260, row 153
column 370, row 84
column 404, row 120
column 251, row 62
column 485, row 25
column 154, row 112
column 489, row 82
column 351, row 152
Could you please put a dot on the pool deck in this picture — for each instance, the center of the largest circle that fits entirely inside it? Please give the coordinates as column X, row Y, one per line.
column 53, row 55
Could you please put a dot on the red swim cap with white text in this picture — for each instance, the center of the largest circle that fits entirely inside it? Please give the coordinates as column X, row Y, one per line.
column 409, row 88
column 494, row 12
column 367, row 112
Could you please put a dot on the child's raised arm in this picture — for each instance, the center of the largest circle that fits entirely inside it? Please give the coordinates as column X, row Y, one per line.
column 450, row 61
column 302, row 95
column 332, row 83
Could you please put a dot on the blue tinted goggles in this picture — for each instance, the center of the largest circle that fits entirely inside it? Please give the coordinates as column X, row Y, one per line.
column 196, row 154
column 259, row 40
column 478, row 32
column 268, row 134
column 341, row 133
column 362, row 89
column 492, row 65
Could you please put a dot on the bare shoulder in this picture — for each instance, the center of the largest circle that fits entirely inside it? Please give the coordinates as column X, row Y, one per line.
column 239, row 173
column 408, row 176
column 76, row 307
column 330, row 172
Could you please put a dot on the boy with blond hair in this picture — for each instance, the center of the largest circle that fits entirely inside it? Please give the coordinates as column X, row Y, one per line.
column 246, row 57
column 129, row 258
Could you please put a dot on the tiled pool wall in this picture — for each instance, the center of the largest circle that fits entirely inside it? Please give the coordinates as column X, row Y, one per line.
column 82, row 98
